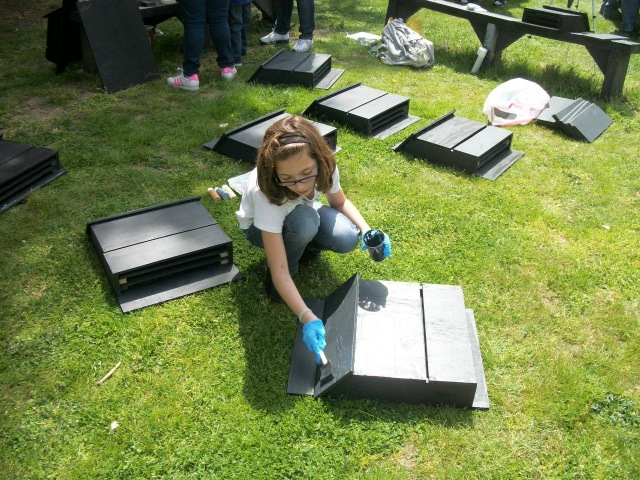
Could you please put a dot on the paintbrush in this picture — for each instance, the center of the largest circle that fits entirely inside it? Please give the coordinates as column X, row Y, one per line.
column 326, row 373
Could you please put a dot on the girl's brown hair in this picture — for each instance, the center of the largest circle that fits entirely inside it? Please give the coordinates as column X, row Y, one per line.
column 285, row 138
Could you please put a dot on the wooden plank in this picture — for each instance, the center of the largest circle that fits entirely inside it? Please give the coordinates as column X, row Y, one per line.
column 340, row 324
column 9, row 150
column 176, row 286
column 313, row 63
column 611, row 52
column 352, row 99
column 119, row 43
column 390, row 331
column 28, row 159
column 452, row 132
column 481, row 398
column 302, row 373
column 449, row 353
column 152, row 224
column 380, row 105
column 167, row 247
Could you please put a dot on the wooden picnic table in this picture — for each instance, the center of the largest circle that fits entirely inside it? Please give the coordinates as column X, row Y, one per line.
column 496, row 32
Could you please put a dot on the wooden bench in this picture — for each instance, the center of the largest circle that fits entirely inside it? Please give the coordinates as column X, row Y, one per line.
column 496, row 32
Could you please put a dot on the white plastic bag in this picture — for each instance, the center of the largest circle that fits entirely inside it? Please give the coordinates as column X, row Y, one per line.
column 402, row 46
column 515, row 102
column 364, row 38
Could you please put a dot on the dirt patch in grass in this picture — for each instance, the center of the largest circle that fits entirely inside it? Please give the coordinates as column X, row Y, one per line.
column 22, row 13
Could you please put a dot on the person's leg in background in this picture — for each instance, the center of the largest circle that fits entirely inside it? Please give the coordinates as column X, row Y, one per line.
column 307, row 18
column 280, row 33
column 217, row 18
column 629, row 10
column 246, row 25
column 193, row 20
column 236, row 32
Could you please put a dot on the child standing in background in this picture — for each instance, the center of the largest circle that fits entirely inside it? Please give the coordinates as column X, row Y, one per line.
column 239, row 23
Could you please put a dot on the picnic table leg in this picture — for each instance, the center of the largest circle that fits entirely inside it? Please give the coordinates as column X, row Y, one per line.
column 400, row 9
column 493, row 39
column 614, row 65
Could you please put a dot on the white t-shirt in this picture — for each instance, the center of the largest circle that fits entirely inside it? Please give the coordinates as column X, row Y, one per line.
column 255, row 208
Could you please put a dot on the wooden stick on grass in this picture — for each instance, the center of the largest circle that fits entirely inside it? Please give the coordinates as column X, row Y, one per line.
column 103, row 379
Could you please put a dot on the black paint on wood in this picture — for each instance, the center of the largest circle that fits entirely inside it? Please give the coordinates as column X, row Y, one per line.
column 367, row 110
column 555, row 105
column 399, row 342
column 340, row 325
column 23, row 169
column 610, row 52
column 163, row 252
column 302, row 375
column 243, row 142
column 297, row 68
column 119, row 43
column 583, row 120
column 463, row 144
column 558, row 18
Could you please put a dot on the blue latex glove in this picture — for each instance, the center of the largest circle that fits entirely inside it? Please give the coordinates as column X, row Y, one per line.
column 386, row 245
column 313, row 337
column 386, row 250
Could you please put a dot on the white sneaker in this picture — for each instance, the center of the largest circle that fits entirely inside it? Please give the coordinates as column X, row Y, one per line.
column 274, row 37
column 180, row 81
column 302, row 45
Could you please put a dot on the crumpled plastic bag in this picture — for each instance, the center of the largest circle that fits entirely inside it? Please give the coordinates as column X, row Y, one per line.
column 515, row 102
column 366, row 39
column 402, row 46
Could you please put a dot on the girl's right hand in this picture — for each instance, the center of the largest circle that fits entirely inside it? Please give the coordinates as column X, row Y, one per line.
column 313, row 336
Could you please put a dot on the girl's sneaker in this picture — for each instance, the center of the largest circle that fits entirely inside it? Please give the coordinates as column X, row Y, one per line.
column 228, row 72
column 191, row 83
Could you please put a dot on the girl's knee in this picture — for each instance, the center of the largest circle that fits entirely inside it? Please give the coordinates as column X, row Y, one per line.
column 346, row 242
column 303, row 222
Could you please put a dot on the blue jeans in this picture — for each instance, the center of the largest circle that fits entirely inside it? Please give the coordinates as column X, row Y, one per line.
column 195, row 15
column 629, row 10
column 322, row 229
column 239, row 24
column 306, row 15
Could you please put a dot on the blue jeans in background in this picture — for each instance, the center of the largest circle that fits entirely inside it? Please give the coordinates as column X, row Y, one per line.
column 306, row 15
column 195, row 15
column 629, row 10
column 324, row 229
column 239, row 24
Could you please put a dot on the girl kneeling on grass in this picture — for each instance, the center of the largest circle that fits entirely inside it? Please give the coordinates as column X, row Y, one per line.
column 280, row 212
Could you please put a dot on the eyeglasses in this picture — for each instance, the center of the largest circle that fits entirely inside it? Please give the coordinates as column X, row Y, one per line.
column 291, row 183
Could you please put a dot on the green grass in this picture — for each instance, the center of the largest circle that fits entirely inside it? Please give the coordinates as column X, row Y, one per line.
column 548, row 257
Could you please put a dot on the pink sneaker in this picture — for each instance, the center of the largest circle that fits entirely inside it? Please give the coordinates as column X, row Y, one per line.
column 228, row 72
column 191, row 83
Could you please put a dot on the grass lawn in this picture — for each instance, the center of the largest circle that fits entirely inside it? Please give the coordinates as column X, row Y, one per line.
column 548, row 257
